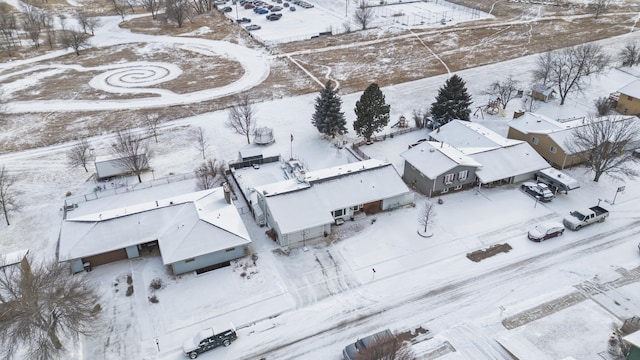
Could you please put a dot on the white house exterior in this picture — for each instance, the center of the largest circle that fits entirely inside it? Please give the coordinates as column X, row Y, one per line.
column 192, row 231
column 304, row 208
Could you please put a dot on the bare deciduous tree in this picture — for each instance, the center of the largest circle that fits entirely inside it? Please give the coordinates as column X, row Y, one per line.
column 630, row 54
column 599, row 7
column 32, row 19
column 569, row 69
column 87, row 22
column 604, row 105
column 363, row 16
column 427, row 215
column 200, row 141
column 206, row 175
column 505, row 90
column 177, row 10
column 8, row 195
column 79, row 154
column 42, row 307
column 132, row 152
column 603, row 145
column 390, row 348
column 152, row 121
column 75, row 39
column 530, row 104
column 152, row 6
column 9, row 32
column 202, row 6
column 120, row 7
column 420, row 117
column 242, row 118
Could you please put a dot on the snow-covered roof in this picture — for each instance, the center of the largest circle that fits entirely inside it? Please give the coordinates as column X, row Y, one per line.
column 508, row 161
column 535, row 123
column 631, row 89
column 12, row 258
column 463, row 134
column 633, row 338
column 301, row 205
column 185, row 226
column 433, row 158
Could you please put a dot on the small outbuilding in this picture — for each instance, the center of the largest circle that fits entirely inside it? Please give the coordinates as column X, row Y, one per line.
column 263, row 136
column 629, row 99
column 111, row 165
column 542, row 92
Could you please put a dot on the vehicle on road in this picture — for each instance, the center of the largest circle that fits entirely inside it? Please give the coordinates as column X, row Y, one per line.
column 252, row 27
column 226, row 9
column 351, row 351
column 274, row 16
column 580, row 218
column 206, row 340
column 546, row 231
column 243, row 20
column 538, row 190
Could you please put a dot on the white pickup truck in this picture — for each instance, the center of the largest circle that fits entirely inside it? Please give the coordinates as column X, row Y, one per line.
column 580, row 218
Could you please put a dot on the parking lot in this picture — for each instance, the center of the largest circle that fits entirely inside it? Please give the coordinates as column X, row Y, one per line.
column 309, row 19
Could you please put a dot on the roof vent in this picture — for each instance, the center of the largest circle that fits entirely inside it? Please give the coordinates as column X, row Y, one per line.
column 432, row 150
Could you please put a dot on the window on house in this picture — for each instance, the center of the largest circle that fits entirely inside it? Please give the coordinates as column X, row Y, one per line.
column 445, row 190
column 337, row 213
column 230, row 249
column 534, row 140
column 629, row 98
column 189, row 260
column 553, row 149
column 462, row 175
column 458, row 187
column 448, row 179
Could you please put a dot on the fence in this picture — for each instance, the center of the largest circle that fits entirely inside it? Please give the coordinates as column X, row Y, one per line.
column 247, row 163
column 355, row 147
column 106, row 189
column 420, row 16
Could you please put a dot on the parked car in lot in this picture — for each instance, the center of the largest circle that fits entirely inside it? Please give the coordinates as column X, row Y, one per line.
column 249, row 6
column 351, row 351
column 276, row 9
column 252, row 27
column 274, row 16
column 292, row 8
column 226, row 9
column 206, row 340
column 243, row 20
column 260, row 11
column 539, row 190
column 546, row 231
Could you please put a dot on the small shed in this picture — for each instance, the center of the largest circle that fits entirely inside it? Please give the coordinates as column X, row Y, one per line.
column 633, row 340
column 542, row 92
column 111, row 165
column 263, row 136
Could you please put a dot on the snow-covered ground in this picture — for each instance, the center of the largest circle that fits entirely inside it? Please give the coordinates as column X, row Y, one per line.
column 557, row 298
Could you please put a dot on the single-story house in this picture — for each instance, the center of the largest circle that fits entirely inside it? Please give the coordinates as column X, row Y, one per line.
column 111, row 165
column 193, row 231
column 629, row 99
column 463, row 154
column 306, row 206
column 633, row 340
column 550, row 137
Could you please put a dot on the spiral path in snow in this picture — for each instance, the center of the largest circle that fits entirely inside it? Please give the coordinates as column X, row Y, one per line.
column 135, row 76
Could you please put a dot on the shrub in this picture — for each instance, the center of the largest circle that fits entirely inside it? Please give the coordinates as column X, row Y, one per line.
column 68, row 194
column 604, row 105
column 130, row 290
column 129, row 279
column 156, row 284
column 154, row 300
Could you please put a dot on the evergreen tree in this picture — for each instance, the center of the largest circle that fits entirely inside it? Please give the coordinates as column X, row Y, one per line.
column 328, row 117
column 452, row 102
column 372, row 113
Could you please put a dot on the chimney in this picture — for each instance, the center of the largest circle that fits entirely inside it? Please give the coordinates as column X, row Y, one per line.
column 227, row 193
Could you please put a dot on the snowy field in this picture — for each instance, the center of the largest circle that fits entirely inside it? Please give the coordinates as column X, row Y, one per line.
column 310, row 304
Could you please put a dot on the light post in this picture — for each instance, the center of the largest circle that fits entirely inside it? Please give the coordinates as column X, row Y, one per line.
column 153, row 173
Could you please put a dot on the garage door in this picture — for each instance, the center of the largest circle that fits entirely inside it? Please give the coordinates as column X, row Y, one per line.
column 106, row 258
